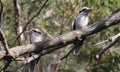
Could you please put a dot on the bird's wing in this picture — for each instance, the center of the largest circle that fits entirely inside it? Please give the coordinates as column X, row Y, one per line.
column 74, row 25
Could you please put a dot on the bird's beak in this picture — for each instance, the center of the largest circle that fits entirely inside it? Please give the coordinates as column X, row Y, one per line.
column 27, row 32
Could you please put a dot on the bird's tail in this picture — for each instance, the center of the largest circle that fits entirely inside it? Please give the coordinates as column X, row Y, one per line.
column 76, row 51
column 32, row 64
column 77, row 46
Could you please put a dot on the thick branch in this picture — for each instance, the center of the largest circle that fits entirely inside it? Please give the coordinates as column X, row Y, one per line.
column 68, row 38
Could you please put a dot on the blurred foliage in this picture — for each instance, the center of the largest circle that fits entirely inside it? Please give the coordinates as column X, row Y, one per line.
column 56, row 18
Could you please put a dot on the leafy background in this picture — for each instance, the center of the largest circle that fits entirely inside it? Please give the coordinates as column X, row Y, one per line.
column 56, row 18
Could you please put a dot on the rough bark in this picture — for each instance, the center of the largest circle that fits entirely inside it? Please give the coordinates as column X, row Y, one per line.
column 66, row 39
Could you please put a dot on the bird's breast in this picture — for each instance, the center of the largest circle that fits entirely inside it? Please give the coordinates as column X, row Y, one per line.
column 81, row 21
column 35, row 38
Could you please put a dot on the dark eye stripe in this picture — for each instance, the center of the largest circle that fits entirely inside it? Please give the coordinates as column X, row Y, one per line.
column 36, row 31
column 82, row 10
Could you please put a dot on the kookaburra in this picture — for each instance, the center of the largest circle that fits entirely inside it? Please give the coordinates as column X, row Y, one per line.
column 81, row 23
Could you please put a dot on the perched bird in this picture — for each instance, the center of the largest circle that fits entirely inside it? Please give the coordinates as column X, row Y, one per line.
column 80, row 22
column 35, row 36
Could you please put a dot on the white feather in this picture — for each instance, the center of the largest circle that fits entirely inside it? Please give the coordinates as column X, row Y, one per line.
column 36, row 37
column 81, row 21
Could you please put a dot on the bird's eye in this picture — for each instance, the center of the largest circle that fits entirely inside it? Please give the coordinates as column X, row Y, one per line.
column 39, row 32
column 34, row 31
column 82, row 10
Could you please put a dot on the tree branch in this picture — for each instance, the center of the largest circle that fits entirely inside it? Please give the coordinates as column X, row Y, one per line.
column 24, row 62
column 8, row 53
column 1, row 10
column 18, row 25
column 113, row 41
column 65, row 39
column 4, row 41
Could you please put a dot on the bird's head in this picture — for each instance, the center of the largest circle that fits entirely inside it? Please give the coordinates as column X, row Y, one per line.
column 36, row 31
column 85, row 9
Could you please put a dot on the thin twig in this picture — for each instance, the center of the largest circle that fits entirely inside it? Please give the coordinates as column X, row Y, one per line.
column 67, row 54
column 1, row 11
column 30, row 21
column 101, row 42
column 114, row 40
column 4, row 41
